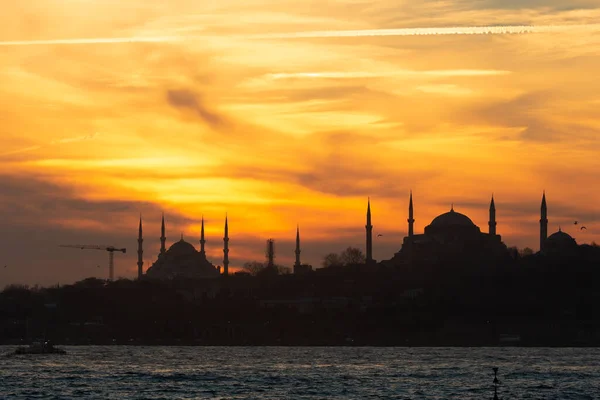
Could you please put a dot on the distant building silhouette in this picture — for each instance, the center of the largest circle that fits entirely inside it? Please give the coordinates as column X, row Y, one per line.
column 559, row 243
column 411, row 219
column 451, row 235
column 270, row 253
column 297, row 251
column 140, row 262
column 202, row 241
column 543, row 222
column 226, row 249
column 492, row 221
column 163, row 239
column 181, row 260
column 369, row 229
column 300, row 268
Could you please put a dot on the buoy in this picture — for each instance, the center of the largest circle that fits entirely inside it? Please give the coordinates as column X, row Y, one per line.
column 496, row 383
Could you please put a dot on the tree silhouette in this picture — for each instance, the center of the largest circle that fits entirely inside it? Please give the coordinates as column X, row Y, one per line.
column 257, row 268
column 254, row 267
column 332, row 260
column 526, row 252
column 352, row 255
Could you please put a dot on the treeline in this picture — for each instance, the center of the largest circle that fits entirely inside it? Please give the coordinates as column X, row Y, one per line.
column 546, row 300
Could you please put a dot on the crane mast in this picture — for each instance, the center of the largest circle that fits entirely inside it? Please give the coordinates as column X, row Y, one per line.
column 111, row 254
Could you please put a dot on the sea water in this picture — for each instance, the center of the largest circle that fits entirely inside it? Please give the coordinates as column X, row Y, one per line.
column 132, row 372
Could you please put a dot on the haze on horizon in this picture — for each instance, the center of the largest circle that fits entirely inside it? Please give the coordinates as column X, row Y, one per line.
column 288, row 112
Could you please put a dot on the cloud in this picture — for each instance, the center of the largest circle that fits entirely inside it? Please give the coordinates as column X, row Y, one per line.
column 536, row 115
column 83, row 41
column 53, row 142
column 422, row 31
column 186, row 99
column 54, row 214
column 452, row 30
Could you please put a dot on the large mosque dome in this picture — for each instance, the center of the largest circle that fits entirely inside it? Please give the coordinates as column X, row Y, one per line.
column 451, row 219
column 181, row 248
column 451, row 224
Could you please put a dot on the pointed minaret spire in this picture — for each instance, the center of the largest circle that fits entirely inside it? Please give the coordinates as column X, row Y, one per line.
column 369, row 229
column 202, row 241
column 543, row 222
column 140, row 262
column 297, row 251
column 492, row 221
column 226, row 249
column 163, row 239
column 411, row 219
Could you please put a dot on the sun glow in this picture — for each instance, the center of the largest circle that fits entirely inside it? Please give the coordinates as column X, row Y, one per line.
column 295, row 116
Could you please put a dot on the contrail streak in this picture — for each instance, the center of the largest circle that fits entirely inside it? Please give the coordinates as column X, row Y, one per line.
column 133, row 39
column 467, row 30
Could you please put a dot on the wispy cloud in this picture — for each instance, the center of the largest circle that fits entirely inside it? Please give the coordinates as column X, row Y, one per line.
column 466, row 30
column 54, row 142
column 365, row 74
column 453, row 30
column 115, row 40
column 186, row 99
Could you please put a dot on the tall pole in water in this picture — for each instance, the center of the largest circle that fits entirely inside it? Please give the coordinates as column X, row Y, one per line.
column 496, row 383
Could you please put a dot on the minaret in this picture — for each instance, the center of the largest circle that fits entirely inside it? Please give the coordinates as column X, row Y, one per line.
column 369, row 229
column 163, row 239
column 411, row 220
column 543, row 222
column 492, row 221
column 297, row 263
column 140, row 262
column 226, row 249
column 202, row 241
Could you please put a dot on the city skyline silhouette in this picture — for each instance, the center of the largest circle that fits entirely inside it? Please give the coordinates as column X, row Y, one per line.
column 300, row 198
column 290, row 115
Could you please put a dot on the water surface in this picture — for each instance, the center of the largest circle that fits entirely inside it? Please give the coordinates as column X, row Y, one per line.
column 128, row 372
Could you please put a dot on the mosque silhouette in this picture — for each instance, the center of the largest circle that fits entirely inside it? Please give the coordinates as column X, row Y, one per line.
column 449, row 237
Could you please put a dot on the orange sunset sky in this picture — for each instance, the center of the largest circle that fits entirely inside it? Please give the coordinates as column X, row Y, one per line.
column 288, row 112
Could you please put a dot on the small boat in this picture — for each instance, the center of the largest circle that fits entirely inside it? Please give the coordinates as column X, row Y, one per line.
column 39, row 347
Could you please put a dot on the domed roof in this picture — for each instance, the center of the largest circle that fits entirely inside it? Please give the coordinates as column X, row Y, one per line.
column 561, row 239
column 181, row 248
column 451, row 218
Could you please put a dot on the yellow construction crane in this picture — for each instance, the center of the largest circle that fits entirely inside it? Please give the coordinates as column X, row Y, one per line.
column 111, row 254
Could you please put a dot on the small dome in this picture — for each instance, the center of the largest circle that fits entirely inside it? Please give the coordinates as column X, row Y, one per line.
column 181, row 248
column 451, row 218
column 560, row 239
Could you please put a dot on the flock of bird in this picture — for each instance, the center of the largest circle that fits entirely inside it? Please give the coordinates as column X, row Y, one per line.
column 581, row 228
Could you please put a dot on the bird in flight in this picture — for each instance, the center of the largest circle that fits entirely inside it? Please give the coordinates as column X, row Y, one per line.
column 380, row 235
column 582, row 228
column 575, row 223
